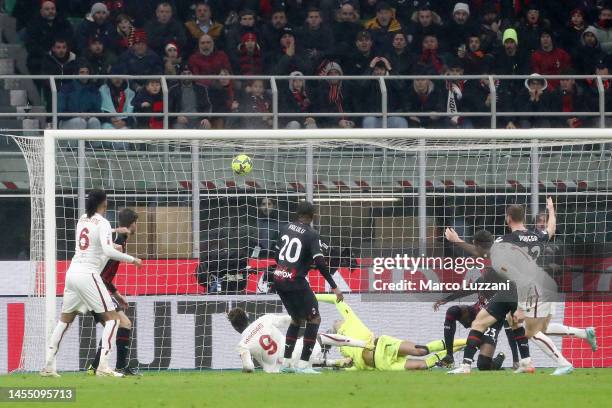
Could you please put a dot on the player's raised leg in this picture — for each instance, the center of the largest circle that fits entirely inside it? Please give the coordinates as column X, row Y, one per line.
column 588, row 333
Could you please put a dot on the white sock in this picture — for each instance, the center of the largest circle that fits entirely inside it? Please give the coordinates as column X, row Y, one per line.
column 558, row 329
column 339, row 340
column 303, row 364
column 108, row 340
column 548, row 347
column 56, row 338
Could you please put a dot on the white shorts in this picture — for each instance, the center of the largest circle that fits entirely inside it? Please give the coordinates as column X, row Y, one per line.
column 86, row 292
column 535, row 307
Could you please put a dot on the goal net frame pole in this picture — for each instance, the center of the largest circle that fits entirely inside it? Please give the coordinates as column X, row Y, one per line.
column 51, row 136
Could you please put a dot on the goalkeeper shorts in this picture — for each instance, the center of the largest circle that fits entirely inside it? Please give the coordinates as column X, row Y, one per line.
column 386, row 354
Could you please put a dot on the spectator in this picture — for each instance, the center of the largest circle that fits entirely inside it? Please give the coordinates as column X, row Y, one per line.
column 203, row 23
column 79, row 96
column 423, row 96
column 603, row 28
column 588, row 53
column 247, row 24
column 187, row 97
column 125, row 33
column 288, row 57
column 473, row 58
column 165, row 29
column 370, row 98
column 454, row 99
column 139, row 59
column 334, row 96
column 316, row 39
column 40, row 33
column 491, row 29
column 570, row 97
column 225, row 96
column 256, row 101
column 549, row 60
column 207, row 60
column 430, row 57
column 172, row 59
column 59, row 61
column 511, row 60
column 98, row 58
column 357, row 62
column 478, row 98
column 383, row 26
column 601, row 68
column 426, row 22
column 149, row 100
column 268, row 227
column 96, row 24
column 248, row 59
column 459, row 28
column 117, row 97
column 534, row 98
column 572, row 34
column 400, row 57
column 272, row 32
column 345, row 29
column 530, row 29
column 296, row 99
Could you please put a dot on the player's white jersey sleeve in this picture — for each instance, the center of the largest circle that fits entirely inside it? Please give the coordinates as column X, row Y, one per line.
column 94, row 245
column 264, row 342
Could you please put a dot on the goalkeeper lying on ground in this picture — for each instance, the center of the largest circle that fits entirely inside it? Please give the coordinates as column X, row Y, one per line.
column 390, row 353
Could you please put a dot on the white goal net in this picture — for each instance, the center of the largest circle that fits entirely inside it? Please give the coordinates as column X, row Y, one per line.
column 206, row 235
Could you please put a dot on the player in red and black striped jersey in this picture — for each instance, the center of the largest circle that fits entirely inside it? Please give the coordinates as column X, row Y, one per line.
column 127, row 227
column 465, row 314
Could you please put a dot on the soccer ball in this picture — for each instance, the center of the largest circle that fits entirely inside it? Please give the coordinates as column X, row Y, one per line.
column 242, row 165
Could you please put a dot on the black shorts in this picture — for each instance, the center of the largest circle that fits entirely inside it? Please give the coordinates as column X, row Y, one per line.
column 300, row 304
column 490, row 335
column 468, row 314
column 499, row 309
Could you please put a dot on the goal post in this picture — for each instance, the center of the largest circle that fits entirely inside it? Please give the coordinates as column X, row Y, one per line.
column 378, row 192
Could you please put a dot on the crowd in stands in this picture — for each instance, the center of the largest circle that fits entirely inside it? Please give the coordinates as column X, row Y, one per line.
column 327, row 38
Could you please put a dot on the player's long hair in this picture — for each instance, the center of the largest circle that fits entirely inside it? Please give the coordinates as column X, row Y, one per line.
column 94, row 199
column 127, row 217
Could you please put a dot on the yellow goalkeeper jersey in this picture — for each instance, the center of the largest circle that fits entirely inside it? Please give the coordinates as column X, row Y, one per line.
column 352, row 327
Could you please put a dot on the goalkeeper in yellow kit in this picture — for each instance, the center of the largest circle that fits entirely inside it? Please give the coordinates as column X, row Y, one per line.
column 386, row 353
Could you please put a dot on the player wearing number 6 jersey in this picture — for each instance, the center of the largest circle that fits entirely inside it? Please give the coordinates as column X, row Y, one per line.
column 264, row 342
column 84, row 289
column 298, row 247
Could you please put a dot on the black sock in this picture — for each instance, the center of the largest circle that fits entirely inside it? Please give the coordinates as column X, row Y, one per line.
column 96, row 361
column 522, row 342
column 450, row 325
column 290, row 339
column 511, row 342
column 310, row 337
column 473, row 343
column 123, row 343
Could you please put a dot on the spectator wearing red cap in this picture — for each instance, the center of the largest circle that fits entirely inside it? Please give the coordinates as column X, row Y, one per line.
column 207, row 60
column 96, row 24
column 425, row 22
column 139, row 59
column 164, row 28
column 203, row 23
column 248, row 59
column 316, row 39
column 383, row 26
column 172, row 59
column 125, row 32
column 550, row 60
column 40, row 32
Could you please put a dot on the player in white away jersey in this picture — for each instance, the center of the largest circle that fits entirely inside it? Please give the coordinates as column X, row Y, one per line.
column 264, row 341
column 84, row 289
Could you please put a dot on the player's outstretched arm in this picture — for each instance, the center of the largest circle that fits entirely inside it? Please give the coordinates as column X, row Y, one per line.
column 321, row 265
column 551, row 225
column 106, row 239
column 247, row 360
column 452, row 236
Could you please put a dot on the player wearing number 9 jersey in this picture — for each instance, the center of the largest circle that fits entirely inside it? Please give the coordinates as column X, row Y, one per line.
column 84, row 289
column 298, row 247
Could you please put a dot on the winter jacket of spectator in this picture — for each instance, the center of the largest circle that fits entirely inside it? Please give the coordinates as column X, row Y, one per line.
column 524, row 103
column 517, row 64
column 593, row 94
column 431, row 101
column 88, row 29
column 475, row 97
column 456, row 35
column 586, row 57
column 283, row 64
column 52, row 66
column 382, row 36
column 148, row 64
column 202, row 100
column 222, row 97
column 604, row 36
column 418, row 32
column 99, row 64
column 571, row 38
column 333, row 98
column 294, row 101
column 246, row 63
column 157, row 105
column 529, row 35
column 368, row 97
column 550, row 63
column 234, row 35
column 270, row 37
column 74, row 96
column 212, row 64
column 317, row 44
column 344, row 36
column 475, row 62
column 256, row 104
column 357, row 63
column 402, row 63
column 39, row 37
column 432, row 59
column 576, row 101
column 117, row 100
column 158, row 35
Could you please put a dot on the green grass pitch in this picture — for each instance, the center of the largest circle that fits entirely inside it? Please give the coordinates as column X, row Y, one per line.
column 585, row 387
